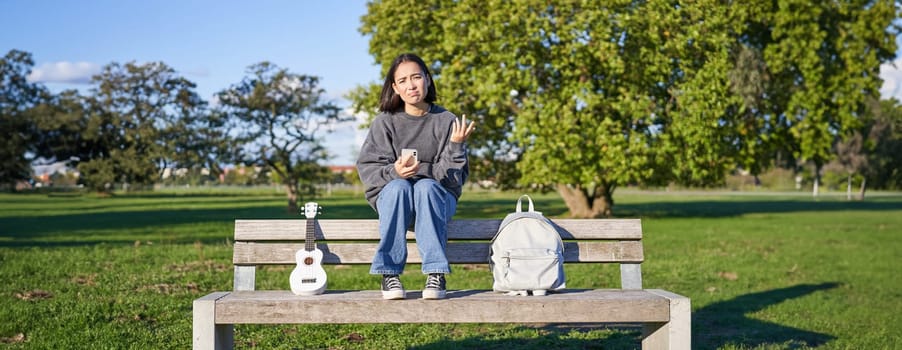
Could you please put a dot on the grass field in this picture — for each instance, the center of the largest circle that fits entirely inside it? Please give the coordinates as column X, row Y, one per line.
column 764, row 271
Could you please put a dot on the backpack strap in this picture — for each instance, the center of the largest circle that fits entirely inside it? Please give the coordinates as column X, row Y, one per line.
column 519, row 208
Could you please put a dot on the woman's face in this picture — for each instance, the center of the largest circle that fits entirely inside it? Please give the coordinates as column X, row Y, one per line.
column 410, row 83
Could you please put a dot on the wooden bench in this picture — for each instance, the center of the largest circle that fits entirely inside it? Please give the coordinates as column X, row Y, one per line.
column 665, row 316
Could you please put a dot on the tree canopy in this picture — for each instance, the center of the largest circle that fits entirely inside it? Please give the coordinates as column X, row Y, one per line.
column 17, row 97
column 585, row 97
column 277, row 118
column 136, row 117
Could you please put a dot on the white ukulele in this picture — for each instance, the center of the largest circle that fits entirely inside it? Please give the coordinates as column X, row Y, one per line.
column 309, row 278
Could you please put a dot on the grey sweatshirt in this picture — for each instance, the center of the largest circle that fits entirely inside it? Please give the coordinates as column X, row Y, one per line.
column 430, row 135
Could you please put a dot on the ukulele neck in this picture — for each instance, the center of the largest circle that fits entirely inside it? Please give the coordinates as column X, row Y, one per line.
column 310, row 244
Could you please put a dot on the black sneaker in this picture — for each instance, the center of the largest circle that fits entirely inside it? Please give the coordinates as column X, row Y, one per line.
column 435, row 286
column 392, row 289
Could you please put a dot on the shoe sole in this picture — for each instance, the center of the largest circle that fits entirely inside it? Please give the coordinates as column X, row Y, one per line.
column 433, row 294
column 393, row 294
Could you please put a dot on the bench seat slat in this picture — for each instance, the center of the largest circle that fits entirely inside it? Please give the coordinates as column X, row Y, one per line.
column 460, row 306
column 458, row 229
column 278, row 253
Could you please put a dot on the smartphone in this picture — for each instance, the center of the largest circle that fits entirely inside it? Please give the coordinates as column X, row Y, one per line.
column 413, row 152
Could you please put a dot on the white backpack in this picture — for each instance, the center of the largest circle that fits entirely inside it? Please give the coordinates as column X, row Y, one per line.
column 527, row 254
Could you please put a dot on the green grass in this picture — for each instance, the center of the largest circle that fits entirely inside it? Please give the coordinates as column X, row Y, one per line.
column 764, row 271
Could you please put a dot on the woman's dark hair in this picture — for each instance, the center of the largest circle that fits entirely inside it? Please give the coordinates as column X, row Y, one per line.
column 391, row 102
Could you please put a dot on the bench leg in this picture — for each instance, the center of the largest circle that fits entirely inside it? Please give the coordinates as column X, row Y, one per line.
column 207, row 335
column 673, row 335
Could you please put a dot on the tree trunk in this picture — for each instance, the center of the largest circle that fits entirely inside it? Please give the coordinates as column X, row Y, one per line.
column 292, row 192
column 861, row 191
column 586, row 204
column 817, row 180
column 849, row 187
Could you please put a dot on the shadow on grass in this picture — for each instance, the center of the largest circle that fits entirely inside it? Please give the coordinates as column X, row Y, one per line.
column 497, row 208
column 136, row 223
column 714, row 326
column 549, row 337
column 106, row 221
column 728, row 208
column 723, row 323
column 125, row 222
column 677, row 207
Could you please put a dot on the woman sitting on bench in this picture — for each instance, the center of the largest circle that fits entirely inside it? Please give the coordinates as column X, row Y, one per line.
column 413, row 164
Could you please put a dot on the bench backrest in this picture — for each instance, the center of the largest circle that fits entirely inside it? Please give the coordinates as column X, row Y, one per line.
column 274, row 242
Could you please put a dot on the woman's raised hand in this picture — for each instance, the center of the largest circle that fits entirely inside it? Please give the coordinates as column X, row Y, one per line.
column 462, row 129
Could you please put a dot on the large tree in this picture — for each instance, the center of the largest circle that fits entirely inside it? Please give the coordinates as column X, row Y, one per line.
column 277, row 116
column 587, row 97
column 17, row 97
column 828, row 56
column 883, row 145
column 135, row 121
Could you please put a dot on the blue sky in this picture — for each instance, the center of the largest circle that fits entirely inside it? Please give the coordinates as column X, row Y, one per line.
column 213, row 42
column 209, row 42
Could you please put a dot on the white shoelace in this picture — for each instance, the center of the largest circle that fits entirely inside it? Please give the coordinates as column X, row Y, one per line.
column 434, row 282
column 393, row 282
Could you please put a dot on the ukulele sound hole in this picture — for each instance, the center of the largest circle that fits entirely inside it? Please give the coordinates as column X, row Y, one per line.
column 308, row 260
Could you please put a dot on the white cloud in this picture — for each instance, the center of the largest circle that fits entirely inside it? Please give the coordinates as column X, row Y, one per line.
column 64, row 72
column 891, row 73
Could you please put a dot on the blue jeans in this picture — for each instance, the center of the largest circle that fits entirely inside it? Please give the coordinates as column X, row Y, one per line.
column 399, row 202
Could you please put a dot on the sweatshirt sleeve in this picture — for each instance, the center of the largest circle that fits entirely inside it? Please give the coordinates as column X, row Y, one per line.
column 452, row 168
column 375, row 163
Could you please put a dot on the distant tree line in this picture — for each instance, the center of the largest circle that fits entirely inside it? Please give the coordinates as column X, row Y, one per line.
column 585, row 96
column 138, row 121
